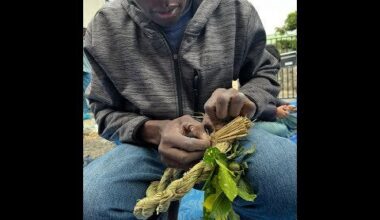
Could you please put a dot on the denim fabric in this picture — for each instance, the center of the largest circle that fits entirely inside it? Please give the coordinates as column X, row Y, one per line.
column 286, row 127
column 114, row 182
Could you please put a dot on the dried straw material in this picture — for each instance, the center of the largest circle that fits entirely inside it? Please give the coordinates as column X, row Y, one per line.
column 160, row 193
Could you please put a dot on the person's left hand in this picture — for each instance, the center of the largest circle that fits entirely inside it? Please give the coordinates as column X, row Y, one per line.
column 290, row 108
column 282, row 111
column 225, row 104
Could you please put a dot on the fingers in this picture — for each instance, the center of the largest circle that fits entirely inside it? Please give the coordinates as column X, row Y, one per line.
column 211, row 126
column 224, row 104
column 236, row 104
column 210, row 110
column 195, row 129
column 281, row 113
column 248, row 110
column 178, row 158
column 188, row 143
column 187, row 134
column 199, row 132
column 207, row 124
column 217, row 106
column 286, row 113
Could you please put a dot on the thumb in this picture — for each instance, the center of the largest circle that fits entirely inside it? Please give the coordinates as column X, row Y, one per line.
column 199, row 132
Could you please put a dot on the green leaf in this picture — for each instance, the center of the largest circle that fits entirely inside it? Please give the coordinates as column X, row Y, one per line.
column 223, row 164
column 245, row 191
column 244, row 165
column 246, row 196
column 234, row 166
column 227, row 183
column 234, row 155
column 214, row 182
column 210, row 155
column 210, row 200
column 233, row 216
column 235, row 145
column 223, row 185
column 222, row 206
column 206, row 216
column 238, row 175
column 247, row 152
column 210, row 190
column 235, row 152
column 208, row 181
column 222, row 158
column 213, row 187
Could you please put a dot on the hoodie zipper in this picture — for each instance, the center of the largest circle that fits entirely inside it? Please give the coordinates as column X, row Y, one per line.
column 178, row 84
column 196, row 91
column 177, row 74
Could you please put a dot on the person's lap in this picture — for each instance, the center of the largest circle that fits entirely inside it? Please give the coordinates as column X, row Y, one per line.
column 272, row 173
column 114, row 182
column 275, row 128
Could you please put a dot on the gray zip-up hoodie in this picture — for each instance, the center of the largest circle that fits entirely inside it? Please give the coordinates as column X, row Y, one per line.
column 136, row 77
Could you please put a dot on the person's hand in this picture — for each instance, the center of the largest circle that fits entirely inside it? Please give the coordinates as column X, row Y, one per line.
column 224, row 105
column 282, row 111
column 183, row 142
column 290, row 108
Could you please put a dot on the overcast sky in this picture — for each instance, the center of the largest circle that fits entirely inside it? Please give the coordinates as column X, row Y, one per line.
column 273, row 12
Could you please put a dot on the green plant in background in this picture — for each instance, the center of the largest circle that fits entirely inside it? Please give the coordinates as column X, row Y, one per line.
column 290, row 24
column 286, row 44
column 283, row 40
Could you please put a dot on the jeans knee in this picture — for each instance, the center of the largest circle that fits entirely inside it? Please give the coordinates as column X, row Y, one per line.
column 113, row 183
column 107, row 198
column 273, row 177
column 94, row 201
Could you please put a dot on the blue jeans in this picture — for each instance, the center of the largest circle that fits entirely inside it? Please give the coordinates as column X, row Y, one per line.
column 275, row 128
column 114, row 182
column 285, row 127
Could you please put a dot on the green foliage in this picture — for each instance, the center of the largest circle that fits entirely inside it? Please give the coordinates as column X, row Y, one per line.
column 290, row 24
column 224, row 183
column 291, row 21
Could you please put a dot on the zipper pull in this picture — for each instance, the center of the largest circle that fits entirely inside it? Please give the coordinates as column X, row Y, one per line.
column 175, row 56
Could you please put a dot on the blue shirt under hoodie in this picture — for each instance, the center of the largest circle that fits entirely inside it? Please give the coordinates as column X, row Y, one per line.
column 175, row 33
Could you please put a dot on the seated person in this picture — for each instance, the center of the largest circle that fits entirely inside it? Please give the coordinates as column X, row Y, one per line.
column 279, row 118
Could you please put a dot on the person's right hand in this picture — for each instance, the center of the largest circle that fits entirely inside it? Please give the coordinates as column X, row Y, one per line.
column 282, row 111
column 224, row 105
column 183, row 142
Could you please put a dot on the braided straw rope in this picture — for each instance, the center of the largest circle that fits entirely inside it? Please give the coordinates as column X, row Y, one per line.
column 160, row 193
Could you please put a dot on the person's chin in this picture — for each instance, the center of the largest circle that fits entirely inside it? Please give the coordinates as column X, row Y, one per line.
column 166, row 23
column 166, row 20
